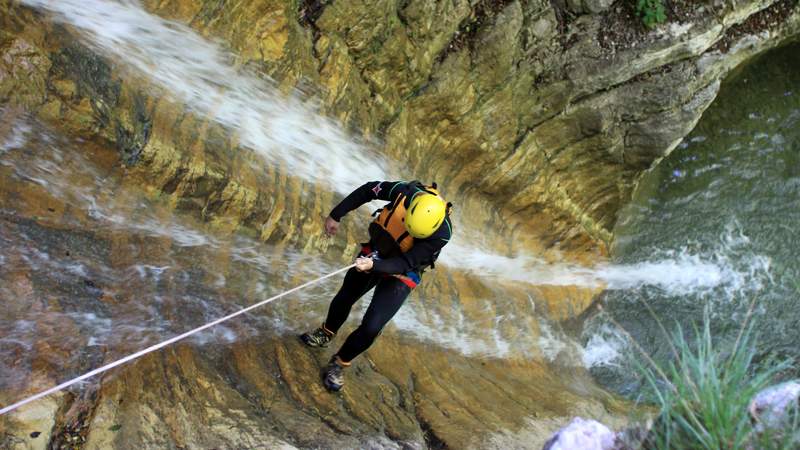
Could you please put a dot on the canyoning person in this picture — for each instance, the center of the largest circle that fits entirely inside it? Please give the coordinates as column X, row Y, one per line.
column 405, row 238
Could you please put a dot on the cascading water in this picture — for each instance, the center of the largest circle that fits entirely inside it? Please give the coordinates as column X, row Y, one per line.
column 143, row 273
column 191, row 70
column 133, row 275
column 729, row 191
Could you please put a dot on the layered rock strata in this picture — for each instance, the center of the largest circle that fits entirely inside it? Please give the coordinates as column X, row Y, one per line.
column 549, row 115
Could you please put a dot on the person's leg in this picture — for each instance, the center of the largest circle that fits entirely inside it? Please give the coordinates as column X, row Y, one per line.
column 390, row 294
column 355, row 285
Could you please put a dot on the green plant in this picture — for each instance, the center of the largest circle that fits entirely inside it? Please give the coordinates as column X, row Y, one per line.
column 652, row 12
column 704, row 393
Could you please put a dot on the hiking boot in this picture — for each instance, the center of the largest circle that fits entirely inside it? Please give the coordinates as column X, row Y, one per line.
column 333, row 375
column 317, row 338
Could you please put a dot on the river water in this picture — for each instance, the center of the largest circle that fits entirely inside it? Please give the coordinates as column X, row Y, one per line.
column 730, row 193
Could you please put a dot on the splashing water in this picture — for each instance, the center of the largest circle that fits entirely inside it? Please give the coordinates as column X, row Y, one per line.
column 17, row 138
column 132, row 274
column 729, row 190
column 605, row 346
column 678, row 272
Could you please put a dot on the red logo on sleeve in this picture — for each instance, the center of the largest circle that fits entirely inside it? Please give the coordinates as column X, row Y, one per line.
column 376, row 189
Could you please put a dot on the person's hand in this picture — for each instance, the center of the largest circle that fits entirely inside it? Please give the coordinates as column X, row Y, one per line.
column 331, row 226
column 363, row 264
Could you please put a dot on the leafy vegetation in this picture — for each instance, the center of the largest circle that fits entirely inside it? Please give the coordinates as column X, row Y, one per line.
column 652, row 12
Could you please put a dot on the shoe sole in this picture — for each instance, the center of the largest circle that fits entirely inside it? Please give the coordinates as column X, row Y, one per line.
column 332, row 387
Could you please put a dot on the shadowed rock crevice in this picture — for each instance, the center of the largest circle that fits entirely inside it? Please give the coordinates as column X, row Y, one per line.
column 432, row 441
column 482, row 12
column 73, row 419
column 131, row 143
column 91, row 75
column 309, row 11
column 768, row 19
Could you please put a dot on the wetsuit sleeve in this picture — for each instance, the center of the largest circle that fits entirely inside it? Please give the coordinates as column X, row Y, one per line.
column 373, row 190
column 423, row 253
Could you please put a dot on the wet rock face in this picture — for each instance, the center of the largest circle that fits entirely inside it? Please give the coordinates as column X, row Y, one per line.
column 94, row 268
column 551, row 120
column 503, row 85
column 536, row 126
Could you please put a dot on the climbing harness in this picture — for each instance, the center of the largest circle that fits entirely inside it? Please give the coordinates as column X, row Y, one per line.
column 410, row 279
column 163, row 344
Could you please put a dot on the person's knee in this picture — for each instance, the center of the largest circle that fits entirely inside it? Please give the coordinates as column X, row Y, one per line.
column 340, row 300
column 371, row 328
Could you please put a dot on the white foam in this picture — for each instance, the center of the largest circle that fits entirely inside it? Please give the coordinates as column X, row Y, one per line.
column 684, row 272
column 604, row 348
column 455, row 334
column 731, row 265
column 19, row 333
column 553, row 344
column 17, row 138
column 147, row 270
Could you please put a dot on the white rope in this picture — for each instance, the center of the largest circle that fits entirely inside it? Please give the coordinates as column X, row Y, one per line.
column 164, row 344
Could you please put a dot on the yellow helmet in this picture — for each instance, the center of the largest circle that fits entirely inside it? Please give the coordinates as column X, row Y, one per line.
column 425, row 214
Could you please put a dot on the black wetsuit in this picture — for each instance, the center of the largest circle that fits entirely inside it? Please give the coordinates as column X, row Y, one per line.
column 390, row 291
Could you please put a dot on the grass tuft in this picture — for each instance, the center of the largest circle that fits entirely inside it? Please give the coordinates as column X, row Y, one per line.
column 704, row 392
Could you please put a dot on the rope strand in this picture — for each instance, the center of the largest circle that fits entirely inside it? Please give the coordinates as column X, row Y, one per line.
column 163, row 344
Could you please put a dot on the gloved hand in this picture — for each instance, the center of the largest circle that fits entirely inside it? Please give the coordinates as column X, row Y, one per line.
column 364, row 264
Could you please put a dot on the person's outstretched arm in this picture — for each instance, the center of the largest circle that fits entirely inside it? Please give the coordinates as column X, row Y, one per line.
column 373, row 190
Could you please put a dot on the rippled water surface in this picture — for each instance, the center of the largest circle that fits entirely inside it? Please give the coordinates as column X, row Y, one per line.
column 730, row 193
